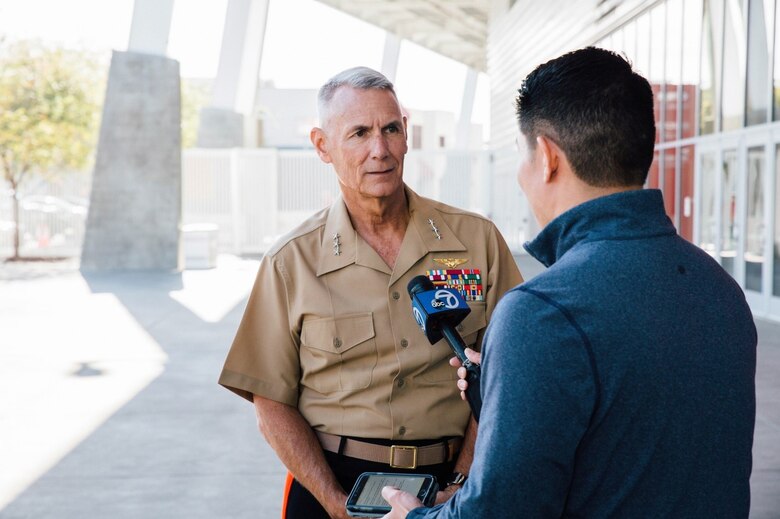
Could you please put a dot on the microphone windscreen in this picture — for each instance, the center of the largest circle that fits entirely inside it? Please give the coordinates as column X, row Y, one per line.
column 419, row 284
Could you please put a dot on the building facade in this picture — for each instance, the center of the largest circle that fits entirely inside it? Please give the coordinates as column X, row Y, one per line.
column 714, row 66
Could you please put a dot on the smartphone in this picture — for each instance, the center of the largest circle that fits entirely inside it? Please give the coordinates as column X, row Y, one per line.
column 366, row 499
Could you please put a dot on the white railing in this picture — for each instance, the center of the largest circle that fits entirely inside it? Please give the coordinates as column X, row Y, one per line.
column 52, row 215
column 256, row 195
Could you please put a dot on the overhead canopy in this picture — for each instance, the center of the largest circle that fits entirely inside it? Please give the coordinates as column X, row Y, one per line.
column 454, row 28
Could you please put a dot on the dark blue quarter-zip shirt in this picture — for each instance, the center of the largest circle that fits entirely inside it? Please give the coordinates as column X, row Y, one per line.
column 618, row 383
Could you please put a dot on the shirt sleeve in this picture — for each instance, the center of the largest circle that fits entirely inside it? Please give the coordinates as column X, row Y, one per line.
column 263, row 359
column 539, row 392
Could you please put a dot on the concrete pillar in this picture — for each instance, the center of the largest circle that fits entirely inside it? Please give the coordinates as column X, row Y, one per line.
column 390, row 56
column 463, row 131
column 135, row 204
column 229, row 120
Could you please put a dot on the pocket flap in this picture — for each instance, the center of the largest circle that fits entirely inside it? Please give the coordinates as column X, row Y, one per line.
column 339, row 335
column 475, row 321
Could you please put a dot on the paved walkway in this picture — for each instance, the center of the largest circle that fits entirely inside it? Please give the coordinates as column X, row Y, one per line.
column 109, row 406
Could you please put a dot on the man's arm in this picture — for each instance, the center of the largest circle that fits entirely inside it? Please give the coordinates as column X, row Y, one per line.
column 463, row 463
column 288, row 433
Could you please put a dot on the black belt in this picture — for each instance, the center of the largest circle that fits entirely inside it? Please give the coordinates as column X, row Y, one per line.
column 397, row 456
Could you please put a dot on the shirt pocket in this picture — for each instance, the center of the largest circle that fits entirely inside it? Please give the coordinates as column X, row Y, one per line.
column 439, row 369
column 338, row 354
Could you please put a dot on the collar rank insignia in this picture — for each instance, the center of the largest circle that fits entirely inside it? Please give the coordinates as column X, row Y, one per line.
column 451, row 262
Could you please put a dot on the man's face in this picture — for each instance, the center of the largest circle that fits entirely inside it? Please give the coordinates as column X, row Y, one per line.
column 364, row 137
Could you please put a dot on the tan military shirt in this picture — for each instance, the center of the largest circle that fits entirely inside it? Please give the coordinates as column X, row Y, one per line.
column 329, row 327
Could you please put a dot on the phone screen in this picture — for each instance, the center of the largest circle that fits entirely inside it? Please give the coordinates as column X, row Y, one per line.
column 371, row 494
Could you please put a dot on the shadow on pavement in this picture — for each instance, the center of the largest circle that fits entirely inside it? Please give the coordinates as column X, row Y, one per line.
column 184, row 447
column 181, row 447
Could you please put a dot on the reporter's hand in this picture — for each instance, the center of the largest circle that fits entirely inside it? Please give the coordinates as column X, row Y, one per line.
column 402, row 502
column 476, row 358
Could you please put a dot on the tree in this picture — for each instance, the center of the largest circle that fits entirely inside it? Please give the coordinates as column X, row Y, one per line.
column 194, row 95
column 49, row 110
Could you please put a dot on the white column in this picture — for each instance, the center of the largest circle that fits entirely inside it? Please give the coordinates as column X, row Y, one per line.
column 229, row 120
column 463, row 135
column 239, row 60
column 150, row 27
column 390, row 56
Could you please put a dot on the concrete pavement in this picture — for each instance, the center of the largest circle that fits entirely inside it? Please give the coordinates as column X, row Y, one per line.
column 109, row 406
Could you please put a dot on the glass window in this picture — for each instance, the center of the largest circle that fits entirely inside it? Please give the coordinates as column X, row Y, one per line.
column 642, row 58
column 754, row 237
column 686, row 192
column 673, row 67
column 690, row 65
column 652, row 181
column 776, row 247
column 617, row 41
column 729, row 229
column 629, row 42
column 711, row 64
column 670, row 183
column 733, row 103
column 757, row 94
column 656, row 73
column 776, row 75
column 709, row 218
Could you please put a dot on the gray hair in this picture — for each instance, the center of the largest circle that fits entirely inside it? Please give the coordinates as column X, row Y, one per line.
column 363, row 78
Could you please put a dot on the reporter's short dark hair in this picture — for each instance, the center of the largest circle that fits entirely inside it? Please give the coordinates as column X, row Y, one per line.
column 597, row 110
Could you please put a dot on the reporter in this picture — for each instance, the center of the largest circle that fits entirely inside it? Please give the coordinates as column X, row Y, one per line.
column 620, row 382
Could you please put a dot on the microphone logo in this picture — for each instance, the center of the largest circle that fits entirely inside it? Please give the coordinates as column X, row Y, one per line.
column 448, row 299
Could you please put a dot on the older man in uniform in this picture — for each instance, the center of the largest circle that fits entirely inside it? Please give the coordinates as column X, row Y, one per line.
column 342, row 379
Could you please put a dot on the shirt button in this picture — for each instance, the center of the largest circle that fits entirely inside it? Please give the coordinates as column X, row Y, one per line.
column 337, row 342
column 396, row 296
column 401, row 383
column 402, row 430
column 404, row 343
column 459, row 327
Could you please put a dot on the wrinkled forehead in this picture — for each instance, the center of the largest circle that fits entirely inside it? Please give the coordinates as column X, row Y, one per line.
column 360, row 106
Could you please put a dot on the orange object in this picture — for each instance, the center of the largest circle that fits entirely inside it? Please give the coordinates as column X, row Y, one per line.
column 287, row 485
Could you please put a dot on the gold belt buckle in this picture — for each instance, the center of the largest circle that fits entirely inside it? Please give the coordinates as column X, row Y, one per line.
column 394, row 448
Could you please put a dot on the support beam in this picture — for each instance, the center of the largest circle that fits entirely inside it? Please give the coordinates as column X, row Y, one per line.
column 229, row 120
column 390, row 56
column 151, row 27
column 463, row 135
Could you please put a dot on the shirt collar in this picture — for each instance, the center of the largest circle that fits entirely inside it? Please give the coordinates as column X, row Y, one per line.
column 419, row 240
column 625, row 215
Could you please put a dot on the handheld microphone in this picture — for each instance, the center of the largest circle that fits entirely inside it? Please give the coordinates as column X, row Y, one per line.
column 438, row 311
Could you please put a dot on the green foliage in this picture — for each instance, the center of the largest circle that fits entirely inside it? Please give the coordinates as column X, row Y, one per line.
column 49, row 109
column 49, row 112
column 194, row 95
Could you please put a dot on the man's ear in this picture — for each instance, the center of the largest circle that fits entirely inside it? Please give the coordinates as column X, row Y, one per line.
column 550, row 156
column 318, row 139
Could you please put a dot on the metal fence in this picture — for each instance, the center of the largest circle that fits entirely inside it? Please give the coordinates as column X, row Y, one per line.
column 255, row 196
column 52, row 215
